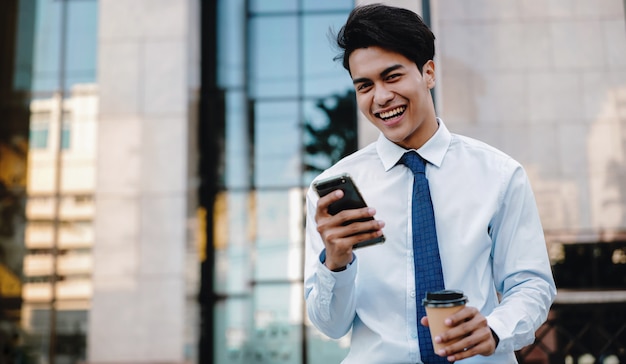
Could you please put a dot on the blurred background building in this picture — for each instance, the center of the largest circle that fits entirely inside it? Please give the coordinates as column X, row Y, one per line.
column 154, row 156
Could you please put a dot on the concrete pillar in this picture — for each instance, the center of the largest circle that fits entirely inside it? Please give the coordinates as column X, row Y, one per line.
column 145, row 274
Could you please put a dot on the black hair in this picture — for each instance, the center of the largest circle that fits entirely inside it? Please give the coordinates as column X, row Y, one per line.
column 394, row 29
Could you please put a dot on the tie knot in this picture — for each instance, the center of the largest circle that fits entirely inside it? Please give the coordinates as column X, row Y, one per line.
column 414, row 162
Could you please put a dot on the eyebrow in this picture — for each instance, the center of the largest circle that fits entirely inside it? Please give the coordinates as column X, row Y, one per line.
column 383, row 74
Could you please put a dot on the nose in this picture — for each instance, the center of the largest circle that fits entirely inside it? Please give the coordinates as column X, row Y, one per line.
column 382, row 95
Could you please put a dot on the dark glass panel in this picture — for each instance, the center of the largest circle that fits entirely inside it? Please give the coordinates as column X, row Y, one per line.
column 330, row 132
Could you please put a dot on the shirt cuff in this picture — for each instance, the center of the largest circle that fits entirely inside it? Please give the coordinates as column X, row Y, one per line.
column 323, row 260
column 497, row 328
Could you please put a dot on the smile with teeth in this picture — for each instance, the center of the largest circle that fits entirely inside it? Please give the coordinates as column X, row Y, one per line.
column 392, row 113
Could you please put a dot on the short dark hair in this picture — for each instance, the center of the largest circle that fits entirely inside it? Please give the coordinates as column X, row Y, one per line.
column 395, row 29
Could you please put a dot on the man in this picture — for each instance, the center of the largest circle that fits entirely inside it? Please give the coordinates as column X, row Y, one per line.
column 489, row 237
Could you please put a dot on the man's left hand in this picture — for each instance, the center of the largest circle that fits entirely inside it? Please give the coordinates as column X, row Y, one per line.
column 471, row 326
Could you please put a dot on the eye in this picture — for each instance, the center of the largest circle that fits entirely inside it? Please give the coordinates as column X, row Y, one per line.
column 393, row 76
column 363, row 86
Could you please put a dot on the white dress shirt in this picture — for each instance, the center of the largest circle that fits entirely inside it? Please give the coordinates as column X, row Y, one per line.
column 490, row 241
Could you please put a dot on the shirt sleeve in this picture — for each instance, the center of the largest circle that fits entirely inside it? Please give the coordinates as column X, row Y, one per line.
column 521, row 268
column 330, row 296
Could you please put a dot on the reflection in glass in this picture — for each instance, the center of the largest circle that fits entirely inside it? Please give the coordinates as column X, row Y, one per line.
column 233, row 230
column 66, row 129
column 287, row 114
column 322, row 75
column 81, row 46
column 267, row 6
column 47, row 52
column 277, row 334
column 39, row 131
column 333, row 135
column 276, row 144
column 231, row 44
column 274, row 56
column 279, row 236
column 238, row 141
column 65, row 31
column 232, row 331
column 329, row 5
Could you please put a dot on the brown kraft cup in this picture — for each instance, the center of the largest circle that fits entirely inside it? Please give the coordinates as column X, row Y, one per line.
column 439, row 306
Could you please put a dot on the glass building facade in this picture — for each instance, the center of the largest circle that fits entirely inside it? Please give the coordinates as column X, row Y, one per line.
column 48, row 57
column 287, row 111
column 274, row 110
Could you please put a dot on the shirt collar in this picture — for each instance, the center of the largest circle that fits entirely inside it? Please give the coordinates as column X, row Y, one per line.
column 432, row 151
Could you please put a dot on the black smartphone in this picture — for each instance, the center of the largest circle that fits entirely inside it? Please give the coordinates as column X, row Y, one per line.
column 351, row 199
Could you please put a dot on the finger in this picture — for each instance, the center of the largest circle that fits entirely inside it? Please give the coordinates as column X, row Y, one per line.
column 424, row 321
column 359, row 220
column 484, row 348
column 463, row 315
column 324, row 202
column 344, row 236
column 350, row 216
column 479, row 341
column 468, row 328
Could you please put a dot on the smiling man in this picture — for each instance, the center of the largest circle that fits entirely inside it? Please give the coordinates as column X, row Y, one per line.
column 476, row 230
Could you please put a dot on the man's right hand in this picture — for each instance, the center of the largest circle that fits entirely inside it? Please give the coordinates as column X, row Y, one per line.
column 338, row 236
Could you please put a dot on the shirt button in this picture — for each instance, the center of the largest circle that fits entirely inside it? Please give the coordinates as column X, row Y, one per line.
column 414, row 335
column 413, row 294
column 410, row 253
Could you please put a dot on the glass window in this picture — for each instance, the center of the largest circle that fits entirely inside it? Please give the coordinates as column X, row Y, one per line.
column 231, row 44
column 265, row 6
column 330, row 132
column 47, row 46
column 274, row 54
column 323, row 350
column 322, row 75
column 276, row 144
column 233, row 332
column 238, row 141
column 277, row 335
column 71, row 33
column 81, row 43
column 66, row 130
column 291, row 81
column 39, row 130
column 279, row 235
column 326, row 5
column 24, row 46
column 234, row 227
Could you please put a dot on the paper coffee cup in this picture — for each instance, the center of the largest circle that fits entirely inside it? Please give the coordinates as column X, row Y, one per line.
column 439, row 306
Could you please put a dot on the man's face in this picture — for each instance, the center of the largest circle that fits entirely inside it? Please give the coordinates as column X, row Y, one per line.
column 393, row 94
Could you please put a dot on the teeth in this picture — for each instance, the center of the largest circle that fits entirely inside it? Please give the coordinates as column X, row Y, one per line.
column 392, row 113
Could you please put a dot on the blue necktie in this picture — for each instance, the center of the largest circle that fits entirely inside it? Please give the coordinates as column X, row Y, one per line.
column 428, row 272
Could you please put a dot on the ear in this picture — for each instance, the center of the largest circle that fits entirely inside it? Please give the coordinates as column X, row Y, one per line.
column 428, row 72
